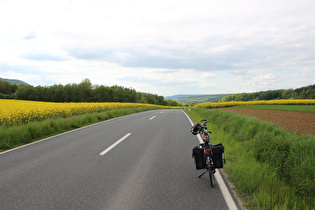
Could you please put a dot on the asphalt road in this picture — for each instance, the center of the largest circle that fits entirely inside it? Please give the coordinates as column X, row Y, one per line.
column 149, row 168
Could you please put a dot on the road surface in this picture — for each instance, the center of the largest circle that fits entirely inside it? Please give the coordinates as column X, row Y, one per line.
column 139, row 161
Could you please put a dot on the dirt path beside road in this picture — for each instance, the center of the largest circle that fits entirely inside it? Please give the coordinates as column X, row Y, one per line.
column 299, row 122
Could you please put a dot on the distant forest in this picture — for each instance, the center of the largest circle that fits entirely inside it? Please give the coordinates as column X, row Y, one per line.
column 86, row 92
column 307, row 92
column 82, row 92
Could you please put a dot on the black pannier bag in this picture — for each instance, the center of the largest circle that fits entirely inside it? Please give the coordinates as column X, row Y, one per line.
column 196, row 129
column 198, row 154
column 218, row 151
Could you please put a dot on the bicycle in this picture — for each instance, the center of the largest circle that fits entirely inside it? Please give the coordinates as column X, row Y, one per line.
column 207, row 156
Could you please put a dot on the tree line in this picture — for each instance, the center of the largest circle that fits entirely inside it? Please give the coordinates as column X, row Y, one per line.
column 82, row 92
column 307, row 92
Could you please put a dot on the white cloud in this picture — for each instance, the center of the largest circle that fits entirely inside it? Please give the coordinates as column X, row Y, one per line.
column 207, row 75
column 30, row 35
column 219, row 45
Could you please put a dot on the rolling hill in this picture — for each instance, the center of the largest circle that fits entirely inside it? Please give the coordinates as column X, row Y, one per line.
column 14, row 81
column 185, row 98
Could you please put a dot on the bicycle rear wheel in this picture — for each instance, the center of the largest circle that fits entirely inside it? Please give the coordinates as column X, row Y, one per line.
column 211, row 176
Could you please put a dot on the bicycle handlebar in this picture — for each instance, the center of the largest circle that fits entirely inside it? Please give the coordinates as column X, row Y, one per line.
column 197, row 128
column 207, row 132
column 204, row 124
column 206, row 121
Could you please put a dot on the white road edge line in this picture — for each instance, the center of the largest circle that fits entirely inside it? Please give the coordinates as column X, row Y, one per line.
column 115, row 144
column 224, row 190
column 152, row 117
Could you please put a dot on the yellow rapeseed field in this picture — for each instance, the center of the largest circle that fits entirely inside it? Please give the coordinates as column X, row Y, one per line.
column 16, row 112
column 244, row 103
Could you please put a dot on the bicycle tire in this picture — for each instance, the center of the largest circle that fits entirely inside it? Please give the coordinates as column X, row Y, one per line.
column 211, row 177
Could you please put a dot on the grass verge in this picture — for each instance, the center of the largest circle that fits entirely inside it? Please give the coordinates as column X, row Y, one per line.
column 271, row 169
column 14, row 136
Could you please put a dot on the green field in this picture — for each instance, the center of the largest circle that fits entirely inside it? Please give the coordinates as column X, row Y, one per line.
column 294, row 108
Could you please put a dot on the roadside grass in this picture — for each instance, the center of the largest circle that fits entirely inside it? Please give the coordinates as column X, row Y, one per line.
column 18, row 135
column 271, row 168
column 294, row 108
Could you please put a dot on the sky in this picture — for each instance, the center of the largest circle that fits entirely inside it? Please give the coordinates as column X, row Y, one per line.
column 164, row 47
